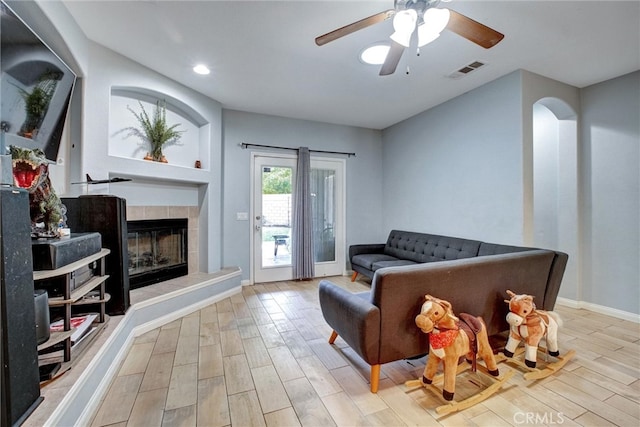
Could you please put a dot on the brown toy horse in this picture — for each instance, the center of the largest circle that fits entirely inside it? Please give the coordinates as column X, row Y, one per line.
column 530, row 325
column 451, row 338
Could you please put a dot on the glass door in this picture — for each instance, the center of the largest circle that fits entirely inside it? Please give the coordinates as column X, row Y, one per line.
column 272, row 213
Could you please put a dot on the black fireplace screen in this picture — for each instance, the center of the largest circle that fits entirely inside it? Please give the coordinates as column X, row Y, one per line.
column 157, row 250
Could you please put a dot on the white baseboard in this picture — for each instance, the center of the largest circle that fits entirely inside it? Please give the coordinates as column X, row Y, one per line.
column 246, row 282
column 613, row 312
column 83, row 399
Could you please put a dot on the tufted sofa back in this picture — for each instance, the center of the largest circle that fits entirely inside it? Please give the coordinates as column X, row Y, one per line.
column 421, row 247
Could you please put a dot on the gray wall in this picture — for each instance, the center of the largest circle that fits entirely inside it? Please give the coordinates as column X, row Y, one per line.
column 363, row 178
column 456, row 169
column 611, row 181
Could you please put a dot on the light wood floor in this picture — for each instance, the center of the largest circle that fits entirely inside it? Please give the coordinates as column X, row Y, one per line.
column 262, row 358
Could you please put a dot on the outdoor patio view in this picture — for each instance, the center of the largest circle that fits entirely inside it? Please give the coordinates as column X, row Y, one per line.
column 277, row 208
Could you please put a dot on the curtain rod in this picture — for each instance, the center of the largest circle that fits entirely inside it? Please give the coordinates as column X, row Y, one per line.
column 245, row 145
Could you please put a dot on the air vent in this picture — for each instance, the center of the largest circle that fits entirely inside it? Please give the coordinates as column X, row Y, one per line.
column 463, row 71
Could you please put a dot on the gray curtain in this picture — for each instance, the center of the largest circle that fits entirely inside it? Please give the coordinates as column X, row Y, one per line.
column 302, row 242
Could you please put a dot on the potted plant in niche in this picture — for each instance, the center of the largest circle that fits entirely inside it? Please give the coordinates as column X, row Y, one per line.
column 155, row 131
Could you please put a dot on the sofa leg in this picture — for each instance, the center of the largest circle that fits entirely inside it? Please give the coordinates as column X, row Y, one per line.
column 333, row 337
column 375, row 378
column 353, row 276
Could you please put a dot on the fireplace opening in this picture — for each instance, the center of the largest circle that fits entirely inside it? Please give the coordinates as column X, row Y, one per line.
column 157, row 250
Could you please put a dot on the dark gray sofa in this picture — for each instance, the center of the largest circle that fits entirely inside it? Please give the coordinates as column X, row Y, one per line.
column 474, row 276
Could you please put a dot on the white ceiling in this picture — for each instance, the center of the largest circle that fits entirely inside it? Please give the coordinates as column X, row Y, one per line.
column 264, row 59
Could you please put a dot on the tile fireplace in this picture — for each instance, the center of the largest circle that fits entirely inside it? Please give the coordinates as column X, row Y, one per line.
column 158, row 250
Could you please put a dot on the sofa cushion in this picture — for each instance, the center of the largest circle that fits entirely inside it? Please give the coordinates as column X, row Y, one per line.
column 367, row 260
column 421, row 247
column 395, row 263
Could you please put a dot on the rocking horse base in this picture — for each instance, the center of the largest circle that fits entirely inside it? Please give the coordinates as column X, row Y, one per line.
column 537, row 373
column 455, row 406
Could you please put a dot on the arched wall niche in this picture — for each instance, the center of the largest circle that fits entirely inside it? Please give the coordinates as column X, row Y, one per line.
column 193, row 145
column 556, row 220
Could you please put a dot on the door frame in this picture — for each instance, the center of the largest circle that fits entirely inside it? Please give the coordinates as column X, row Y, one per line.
column 340, row 213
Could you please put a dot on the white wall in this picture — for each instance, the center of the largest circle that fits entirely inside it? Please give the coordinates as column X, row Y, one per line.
column 456, row 169
column 364, row 199
column 611, row 155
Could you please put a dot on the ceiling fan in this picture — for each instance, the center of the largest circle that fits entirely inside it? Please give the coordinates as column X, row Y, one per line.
column 423, row 16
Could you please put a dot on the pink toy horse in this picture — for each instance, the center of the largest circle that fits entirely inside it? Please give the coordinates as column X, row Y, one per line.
column 530, row 325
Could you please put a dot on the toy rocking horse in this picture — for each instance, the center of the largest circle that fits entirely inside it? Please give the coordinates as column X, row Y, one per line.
column 451, row 338
column 531, row 325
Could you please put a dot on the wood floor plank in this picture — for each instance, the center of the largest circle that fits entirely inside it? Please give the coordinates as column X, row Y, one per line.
column 343, row 411
column 307, row 404
column 283, row 418
column 209, row 333
column 209, row 314
column 210, row 362
column 148, row 409
column 231, row 342
column 319, row 376
column 256, row 352
column 245, row 409
column 285, row 363
column 213, row 404
column 158, row 373
column 137, row 360
column 167, row 339
column 269, row 388
column 183, row 387
column 247, row 328
column 358, row 390
column 180, row 417
column 270, row 335
column 187, row 350
column 237, row 374
column 119, row 400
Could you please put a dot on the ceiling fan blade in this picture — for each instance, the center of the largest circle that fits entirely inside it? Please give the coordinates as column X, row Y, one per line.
column 355, row 26
column 393, row 57
column 473, row 31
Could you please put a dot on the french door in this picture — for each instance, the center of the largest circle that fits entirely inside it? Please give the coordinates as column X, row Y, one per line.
column 272, row 213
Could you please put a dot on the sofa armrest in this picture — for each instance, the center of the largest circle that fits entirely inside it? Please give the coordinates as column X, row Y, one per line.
column 354, row 318
column 375, row 248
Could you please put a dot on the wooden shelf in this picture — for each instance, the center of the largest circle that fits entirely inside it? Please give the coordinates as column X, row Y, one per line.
column 78, row 293
column 66, row 298
column 55, row 338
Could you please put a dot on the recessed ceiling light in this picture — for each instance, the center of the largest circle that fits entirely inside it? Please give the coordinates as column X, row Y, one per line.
column 201, row 69
column 375, row 55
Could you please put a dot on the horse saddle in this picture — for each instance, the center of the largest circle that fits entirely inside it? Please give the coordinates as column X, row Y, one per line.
column 471, row 325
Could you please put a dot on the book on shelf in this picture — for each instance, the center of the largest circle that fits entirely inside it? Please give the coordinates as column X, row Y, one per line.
column 80, row 324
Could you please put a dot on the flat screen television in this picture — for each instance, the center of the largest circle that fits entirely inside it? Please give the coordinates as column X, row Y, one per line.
column 36, row 88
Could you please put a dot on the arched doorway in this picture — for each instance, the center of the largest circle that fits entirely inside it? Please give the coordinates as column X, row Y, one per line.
column 556, row 220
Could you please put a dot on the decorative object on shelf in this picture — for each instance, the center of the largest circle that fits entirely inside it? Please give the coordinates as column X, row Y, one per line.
column 36, row 102
column 31, row 172
column 198, row 164
column 155, row 131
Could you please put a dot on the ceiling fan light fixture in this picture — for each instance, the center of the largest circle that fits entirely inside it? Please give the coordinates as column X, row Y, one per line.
column 404, row 23
column 375, row 54
column 436, row 19
column 425, row 35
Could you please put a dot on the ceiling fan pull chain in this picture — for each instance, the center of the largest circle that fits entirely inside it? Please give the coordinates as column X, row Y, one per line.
column 408, row 71
column 418, row 51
